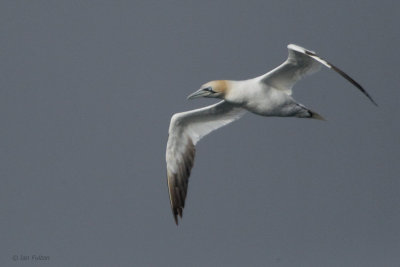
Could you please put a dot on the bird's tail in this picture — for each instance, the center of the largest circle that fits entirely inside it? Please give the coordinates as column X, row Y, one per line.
column 315, row 115
column 303, row 112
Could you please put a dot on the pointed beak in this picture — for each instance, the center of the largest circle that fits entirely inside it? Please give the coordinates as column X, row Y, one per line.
column 198, row 93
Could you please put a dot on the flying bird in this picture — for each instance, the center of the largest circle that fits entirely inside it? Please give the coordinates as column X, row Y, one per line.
column 266, row 95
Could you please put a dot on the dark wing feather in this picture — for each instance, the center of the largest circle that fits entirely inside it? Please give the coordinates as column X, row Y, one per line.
column 302, row 62
column 178, row 182
column 185, row 130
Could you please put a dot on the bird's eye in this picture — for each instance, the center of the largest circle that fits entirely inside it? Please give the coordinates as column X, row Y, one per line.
column 209, row 89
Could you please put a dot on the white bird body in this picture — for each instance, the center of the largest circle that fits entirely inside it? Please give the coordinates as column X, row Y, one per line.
column 257, row 97
column 266, row 95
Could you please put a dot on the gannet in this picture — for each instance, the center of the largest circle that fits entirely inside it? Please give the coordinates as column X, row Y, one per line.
column 266, row 95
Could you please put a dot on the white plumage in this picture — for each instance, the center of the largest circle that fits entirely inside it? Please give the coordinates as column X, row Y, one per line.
column 266, row 95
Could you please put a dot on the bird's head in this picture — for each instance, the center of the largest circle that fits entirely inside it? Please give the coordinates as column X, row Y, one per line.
column 215, row 89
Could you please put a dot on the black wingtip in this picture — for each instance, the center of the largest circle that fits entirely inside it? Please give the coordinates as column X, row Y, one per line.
column 352, row 81
column 342, row 73
column 177, row 212
column 373, row 101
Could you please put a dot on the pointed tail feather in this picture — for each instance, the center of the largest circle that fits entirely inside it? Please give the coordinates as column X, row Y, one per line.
column 315, row 115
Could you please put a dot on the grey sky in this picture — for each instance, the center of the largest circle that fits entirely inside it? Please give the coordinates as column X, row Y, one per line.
column 87, row 89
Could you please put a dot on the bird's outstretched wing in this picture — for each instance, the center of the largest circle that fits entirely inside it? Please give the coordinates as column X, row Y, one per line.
column 185, row 130
column 302, row 62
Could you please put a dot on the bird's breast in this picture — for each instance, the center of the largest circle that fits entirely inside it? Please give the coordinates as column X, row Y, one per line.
column 267, row 102
column 258, row 98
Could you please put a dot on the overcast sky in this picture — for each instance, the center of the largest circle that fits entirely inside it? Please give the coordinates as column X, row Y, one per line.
column 87, row 89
